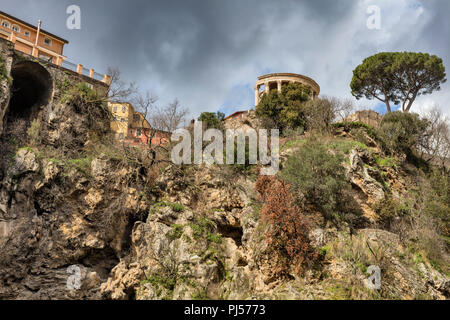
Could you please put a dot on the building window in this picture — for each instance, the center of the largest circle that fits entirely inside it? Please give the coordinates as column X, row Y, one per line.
column 15, row 28
column 121, row 136
column 114, row 118
column 27, row 34
column 48, row 41
column 5, row 24
column 124, row 109
column 122, row 120
column 138, row 132
column 136, row 118
column 114, row 109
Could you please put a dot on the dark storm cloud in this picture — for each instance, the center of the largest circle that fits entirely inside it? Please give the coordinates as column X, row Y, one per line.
column 208, row 53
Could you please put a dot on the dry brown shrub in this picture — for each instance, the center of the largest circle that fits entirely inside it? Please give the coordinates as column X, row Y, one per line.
column 287, row 235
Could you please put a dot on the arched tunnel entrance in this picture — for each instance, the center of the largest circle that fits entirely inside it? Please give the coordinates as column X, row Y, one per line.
column 32, row 88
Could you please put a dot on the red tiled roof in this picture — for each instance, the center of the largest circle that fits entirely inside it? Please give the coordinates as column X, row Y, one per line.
column 235, row 114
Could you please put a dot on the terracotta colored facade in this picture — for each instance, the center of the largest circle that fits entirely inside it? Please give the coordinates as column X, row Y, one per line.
column 36, row 42
column 31, row 39
column 131, row 127
column 142, row 137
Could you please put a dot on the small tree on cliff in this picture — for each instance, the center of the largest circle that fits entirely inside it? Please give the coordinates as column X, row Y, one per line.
column 398, row 77
column 285, row 109
column 212, row 120
column 400, row 132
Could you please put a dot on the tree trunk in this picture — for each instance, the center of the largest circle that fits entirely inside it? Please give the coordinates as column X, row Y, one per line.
column 411, row 101
column 388, row 106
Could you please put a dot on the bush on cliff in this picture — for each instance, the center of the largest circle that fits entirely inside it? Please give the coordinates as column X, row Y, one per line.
column 287, row 235
column 319, row 176
column 400, row 132
column 89, row 102
column 284, row 109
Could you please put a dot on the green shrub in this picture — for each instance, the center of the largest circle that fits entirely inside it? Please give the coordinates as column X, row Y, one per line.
column 159, row 283
column 385, row 162
column 212, row 237
column 174, row 206
column 203, row 228
column 176, row 231
column 348, row 126
column 320, row 177
column 285, row 109
column 438, row 201
column 242, row 167
column 177, row 207
column 399, row 132
column 212, row 120
column 80, row 91
column 82, row 165
column 389, row 208
column 89, row 102
column 34, row 132
column 345, row 146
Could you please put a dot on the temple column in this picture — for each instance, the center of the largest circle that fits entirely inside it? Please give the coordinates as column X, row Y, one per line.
column 256, row 95
column 267, row 87
column 279, row 85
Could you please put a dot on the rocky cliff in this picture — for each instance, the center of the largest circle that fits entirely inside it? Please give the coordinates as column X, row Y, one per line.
column 198, row 235
column 74, row 205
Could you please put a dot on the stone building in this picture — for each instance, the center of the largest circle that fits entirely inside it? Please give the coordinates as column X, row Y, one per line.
column 369, row 117
column 244, row 120
column 275, row 81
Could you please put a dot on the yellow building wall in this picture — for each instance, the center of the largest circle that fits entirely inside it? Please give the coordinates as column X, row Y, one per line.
column 122, row 117
column 139, row 121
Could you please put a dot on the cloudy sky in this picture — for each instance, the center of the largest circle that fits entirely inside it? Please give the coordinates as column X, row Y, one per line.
column 208, row 53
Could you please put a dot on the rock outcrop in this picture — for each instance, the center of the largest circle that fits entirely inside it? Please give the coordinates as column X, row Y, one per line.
column 369, row 117
column 51, row 219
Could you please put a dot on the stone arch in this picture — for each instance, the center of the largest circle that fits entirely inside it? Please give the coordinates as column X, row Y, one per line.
column 32, row 88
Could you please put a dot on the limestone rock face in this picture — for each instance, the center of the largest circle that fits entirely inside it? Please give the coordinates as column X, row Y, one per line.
column 359, row 175
column 24, row 162
column 200, row 250
column 202, row 237
column 47, row 225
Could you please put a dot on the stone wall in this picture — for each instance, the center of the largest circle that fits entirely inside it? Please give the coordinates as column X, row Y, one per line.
column 368, row 117
column 245, row 121
column 59, row 75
